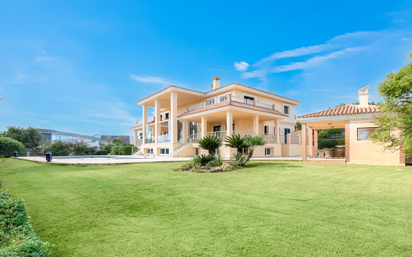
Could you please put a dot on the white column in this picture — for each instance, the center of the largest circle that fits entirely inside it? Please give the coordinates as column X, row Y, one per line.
column 173, row 117
column 277, row 132
column 157, row 120
column 229, row 123
column 204, row 126
column 310, row 136
column 144, row 123
column 184, row 129
column 304, row 135
column 255, row 124
column 135, row 137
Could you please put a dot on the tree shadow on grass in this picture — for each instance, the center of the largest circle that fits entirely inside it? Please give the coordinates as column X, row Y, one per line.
column 272, row 164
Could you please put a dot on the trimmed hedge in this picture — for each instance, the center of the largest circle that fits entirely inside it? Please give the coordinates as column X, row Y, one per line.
column 9, row 145
column 16, row 235
column 327, row 143
column 340, row 141
column 121, row 150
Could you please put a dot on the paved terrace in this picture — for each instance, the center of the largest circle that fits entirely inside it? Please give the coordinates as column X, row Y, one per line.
column 117, row 160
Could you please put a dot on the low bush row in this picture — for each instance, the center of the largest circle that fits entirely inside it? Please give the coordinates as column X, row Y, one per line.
column 16, row 235
column 8, row 146
column 122, row 149
column 331, row 143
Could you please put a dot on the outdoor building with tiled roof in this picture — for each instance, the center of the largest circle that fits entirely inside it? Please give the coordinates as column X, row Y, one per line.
column 183, row 116
column 357, row 122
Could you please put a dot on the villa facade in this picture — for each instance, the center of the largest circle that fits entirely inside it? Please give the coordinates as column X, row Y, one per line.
column 181, row 117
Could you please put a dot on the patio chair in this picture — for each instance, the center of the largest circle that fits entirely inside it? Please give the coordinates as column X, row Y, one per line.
column 340, row 153
column 321, row 153
column 328, row 153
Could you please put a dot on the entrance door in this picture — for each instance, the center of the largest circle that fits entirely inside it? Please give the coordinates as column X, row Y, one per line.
column 216, row 130
column 287, row 131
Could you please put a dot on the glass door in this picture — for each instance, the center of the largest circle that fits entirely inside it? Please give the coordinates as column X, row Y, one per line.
column 287, row 131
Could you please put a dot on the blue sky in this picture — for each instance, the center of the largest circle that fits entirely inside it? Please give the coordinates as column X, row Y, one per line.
column 80, row 66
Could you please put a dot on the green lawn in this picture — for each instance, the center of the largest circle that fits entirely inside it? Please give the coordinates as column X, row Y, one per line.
column 266, row 209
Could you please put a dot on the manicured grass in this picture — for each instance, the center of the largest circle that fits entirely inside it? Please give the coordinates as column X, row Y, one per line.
column 267, row 209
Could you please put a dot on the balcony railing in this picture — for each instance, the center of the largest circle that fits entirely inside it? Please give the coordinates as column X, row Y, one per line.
column 163, row 138
column 294, row 139
column 150, row 140
column 234, row 99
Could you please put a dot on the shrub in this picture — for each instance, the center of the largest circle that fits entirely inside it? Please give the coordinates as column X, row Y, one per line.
column 16, row 235
column 340, row 141
column 323, row 135
column 126, row 149
column 8, row 146
column 115, row 150
column 213, row 163
column 205, row 159
column 327, row 143
column 101, row 152
column 58, row 148
column 227, row 167
column 185, row 167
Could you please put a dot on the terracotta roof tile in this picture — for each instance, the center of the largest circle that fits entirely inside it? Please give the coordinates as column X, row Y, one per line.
column 149, row 122
column 349, row 109
column 217, row 89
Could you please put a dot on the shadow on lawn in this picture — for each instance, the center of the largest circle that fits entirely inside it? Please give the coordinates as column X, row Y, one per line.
column 272, row 164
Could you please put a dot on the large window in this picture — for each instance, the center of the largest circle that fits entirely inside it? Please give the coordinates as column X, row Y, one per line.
column 223, row 98
column 363, row 133
column 268, row 152
column 210, row 101
column 266, row 129
column 164, row 151
column 149, row 150
column 286, row 109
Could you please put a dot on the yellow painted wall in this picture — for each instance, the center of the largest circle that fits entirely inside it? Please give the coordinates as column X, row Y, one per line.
column 365, row 151
column 291, row 150
column 275, row 152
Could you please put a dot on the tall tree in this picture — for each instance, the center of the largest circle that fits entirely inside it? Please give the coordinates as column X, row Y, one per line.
column 30, row 137
column 395, row 123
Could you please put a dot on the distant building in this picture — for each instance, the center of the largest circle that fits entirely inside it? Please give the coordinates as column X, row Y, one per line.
column 54, row 135
column 125, row 139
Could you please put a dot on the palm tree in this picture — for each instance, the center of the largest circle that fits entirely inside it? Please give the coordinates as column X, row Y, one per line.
column 236, row 141
column 210, row 143
column 252, row 142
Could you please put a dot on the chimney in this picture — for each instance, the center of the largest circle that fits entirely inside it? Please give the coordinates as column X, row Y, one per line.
column 216, row 83
column 363, row 97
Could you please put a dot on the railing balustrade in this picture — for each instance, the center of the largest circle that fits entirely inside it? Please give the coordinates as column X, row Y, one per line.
column 163, row 138
column 233, row 98
column 150, row 139
column 260, row 104
column 221, row 134
column 269, row 138
column 196, row 106
column 294, row 139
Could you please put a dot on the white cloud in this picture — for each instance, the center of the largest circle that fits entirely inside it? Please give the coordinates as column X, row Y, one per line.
column 332, row 49
column 294, row 53
column 241, row 66
column 150, row 79
column 314, row 60
column 405, row 39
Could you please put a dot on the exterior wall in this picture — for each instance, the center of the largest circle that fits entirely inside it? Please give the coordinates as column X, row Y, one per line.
column 276, row 150
column 291, row 150
column 365, row 151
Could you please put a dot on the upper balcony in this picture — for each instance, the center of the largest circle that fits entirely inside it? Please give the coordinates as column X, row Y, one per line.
column 234, row 101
